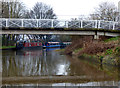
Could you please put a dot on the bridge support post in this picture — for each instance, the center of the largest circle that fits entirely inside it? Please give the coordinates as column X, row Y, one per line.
column 96, row 36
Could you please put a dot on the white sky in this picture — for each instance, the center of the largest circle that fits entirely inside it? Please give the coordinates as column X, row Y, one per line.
column 66, row 9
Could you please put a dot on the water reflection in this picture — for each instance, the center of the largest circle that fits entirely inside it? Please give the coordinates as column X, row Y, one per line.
column 48, row 62
column 39, row 62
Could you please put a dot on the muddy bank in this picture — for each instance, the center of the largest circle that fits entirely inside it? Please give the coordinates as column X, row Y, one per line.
column 96, row 50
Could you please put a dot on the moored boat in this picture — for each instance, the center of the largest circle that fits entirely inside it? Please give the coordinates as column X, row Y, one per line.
column 55, row 44
column 51, row 45
column 28, row 45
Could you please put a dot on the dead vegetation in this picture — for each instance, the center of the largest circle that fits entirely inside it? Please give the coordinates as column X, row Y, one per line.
column 88, row 45
column 96, row 47
column 78, row 42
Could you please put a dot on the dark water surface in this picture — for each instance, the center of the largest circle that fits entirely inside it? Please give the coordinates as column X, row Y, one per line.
column 50, row 63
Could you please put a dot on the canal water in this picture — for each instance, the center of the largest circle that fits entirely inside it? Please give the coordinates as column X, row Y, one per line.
column 31, row 67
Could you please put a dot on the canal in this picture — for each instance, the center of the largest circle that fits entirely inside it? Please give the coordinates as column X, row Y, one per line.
column 50, row 67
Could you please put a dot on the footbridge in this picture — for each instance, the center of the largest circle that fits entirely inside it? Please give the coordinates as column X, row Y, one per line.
column 55, row 26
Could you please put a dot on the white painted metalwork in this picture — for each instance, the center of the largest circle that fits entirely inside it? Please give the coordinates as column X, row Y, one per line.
column 54, row 23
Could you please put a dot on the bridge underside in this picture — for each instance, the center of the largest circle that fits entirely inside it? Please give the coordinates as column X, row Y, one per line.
column 60, row 31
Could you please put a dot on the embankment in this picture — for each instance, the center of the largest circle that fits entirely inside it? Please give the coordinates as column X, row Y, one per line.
column 106, row 50
column 7, row 47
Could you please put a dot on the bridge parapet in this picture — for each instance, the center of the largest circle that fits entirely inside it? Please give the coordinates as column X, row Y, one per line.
column 55, row 23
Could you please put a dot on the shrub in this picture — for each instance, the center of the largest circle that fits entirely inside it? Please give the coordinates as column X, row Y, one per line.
column 94, row 48
column 109, row 52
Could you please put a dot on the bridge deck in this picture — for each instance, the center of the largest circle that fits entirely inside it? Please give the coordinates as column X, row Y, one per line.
column 61, row 31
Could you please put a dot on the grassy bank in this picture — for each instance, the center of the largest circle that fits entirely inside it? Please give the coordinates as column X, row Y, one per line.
column 7, row 47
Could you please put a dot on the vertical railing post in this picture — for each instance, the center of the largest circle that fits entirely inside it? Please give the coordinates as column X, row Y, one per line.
column 113, row 25
column 37, row 23
column 52, row 23
column 99, row 24
column 96, row 24
column 7, row 23
column 81, row 23
column 22, row 23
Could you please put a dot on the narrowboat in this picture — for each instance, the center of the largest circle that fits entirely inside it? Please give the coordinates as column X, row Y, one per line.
column 51, row 45
column 28, row 45
column 64, row 44
column 56, row 44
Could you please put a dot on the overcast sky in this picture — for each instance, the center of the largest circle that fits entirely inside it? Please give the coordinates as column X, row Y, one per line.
column 70, row 8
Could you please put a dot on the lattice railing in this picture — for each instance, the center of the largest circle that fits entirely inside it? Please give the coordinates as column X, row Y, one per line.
column 54, row 23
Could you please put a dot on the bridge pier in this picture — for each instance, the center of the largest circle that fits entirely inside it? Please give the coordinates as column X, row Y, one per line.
column 96, row 37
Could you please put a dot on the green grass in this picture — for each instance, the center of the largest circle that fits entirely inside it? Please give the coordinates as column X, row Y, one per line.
column 59, row 49
column 7, row 47
column 112, row 39
column 77, row 50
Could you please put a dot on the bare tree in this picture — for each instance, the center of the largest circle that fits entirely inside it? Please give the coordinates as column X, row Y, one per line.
column 0, row 9
column 105, row 11
column 12, row 9
column 83, row 17
column 41, row 11
column 94, row 16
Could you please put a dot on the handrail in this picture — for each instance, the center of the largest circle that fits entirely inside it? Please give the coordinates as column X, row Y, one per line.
column 56, row 23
